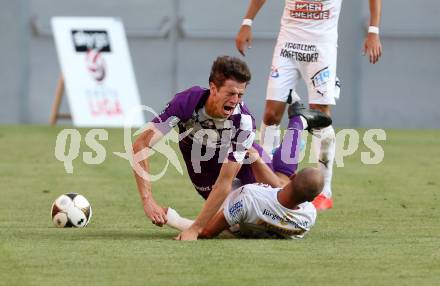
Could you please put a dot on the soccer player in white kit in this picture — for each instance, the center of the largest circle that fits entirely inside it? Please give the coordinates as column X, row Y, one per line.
column 307, row 48
column 262, row 211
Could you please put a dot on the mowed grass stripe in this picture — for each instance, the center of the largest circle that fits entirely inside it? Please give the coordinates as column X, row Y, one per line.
column 383, row 230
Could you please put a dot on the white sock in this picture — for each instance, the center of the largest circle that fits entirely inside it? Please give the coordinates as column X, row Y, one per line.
column 326, row 157
column 174, row 220
column 269, row 137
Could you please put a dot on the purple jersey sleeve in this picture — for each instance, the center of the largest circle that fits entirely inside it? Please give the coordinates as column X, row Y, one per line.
column 179, row 109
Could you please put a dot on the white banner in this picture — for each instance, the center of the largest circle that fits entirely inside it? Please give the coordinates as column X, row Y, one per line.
column 98, row 73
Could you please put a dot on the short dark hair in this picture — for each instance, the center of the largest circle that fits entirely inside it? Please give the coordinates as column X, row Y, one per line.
column 226, row 67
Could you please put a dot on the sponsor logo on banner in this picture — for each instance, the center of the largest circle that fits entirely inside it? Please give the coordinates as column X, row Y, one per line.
column 94, row 44
column 85, row 40
column 103, row 100
column 96, row 65
column 97, row 69
column 320, row 80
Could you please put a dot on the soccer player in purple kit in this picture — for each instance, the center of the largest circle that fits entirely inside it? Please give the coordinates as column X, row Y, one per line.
column 217, row 123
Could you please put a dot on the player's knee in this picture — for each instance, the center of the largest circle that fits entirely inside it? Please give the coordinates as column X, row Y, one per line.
column 272, row 117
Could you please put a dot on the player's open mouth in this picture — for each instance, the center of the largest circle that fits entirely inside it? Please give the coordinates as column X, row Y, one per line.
column 228, row 109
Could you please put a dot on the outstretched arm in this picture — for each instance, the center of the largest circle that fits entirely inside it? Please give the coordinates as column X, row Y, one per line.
column 264, row 174
column 141, row 150
column 220, row 190
column 244, row 36
column 215, row 226
column 372, row 44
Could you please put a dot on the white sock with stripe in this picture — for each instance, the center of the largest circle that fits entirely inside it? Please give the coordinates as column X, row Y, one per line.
column 326, row 145
column 270, row 137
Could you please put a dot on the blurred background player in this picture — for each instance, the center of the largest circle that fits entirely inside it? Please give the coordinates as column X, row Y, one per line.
column 307, row 48
column 216, row 122
column 265, row 211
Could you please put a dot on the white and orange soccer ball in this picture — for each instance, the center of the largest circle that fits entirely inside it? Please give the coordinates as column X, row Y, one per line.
column 71, row 210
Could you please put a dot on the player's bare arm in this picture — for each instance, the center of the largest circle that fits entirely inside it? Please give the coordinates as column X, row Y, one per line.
column 264, row 174
column 220, row 190
column 141, row 148
column 372, row 44
column 215, row 226
column 243, row 39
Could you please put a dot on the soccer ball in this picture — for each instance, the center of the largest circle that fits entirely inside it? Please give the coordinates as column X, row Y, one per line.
column 71, row 210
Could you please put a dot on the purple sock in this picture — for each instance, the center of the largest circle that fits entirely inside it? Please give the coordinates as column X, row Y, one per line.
column 285, row 159
column 295, row 123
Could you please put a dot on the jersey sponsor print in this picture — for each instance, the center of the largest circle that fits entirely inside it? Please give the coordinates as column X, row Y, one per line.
column 255, row 208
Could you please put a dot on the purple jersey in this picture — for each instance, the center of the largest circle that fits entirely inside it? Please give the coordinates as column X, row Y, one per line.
column 207, row 142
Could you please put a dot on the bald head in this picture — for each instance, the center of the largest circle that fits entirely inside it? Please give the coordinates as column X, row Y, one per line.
column 307, row 184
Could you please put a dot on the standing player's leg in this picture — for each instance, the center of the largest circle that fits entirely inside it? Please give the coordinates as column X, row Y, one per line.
column 321, row 84
column 270, row 132
column 280, row 90
column 285, row 159
column 324, row 144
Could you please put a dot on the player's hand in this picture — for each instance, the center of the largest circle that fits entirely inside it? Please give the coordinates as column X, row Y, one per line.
column 189, row 234
column 243, row 39
column 156, row 213
column 372, row 47
column 253, row 155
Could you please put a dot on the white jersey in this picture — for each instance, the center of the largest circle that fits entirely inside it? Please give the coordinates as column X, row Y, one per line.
column 256, row 209
column 311, row 21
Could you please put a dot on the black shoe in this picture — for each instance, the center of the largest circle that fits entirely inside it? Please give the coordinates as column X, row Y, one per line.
column 315, row 118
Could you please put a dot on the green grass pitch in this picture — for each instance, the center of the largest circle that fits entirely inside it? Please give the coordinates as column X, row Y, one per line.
column 384, row 228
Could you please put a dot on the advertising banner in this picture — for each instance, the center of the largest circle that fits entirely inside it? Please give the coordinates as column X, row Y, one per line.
column 99, row 78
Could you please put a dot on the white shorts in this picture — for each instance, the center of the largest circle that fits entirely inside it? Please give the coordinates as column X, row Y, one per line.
column 315, row 63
